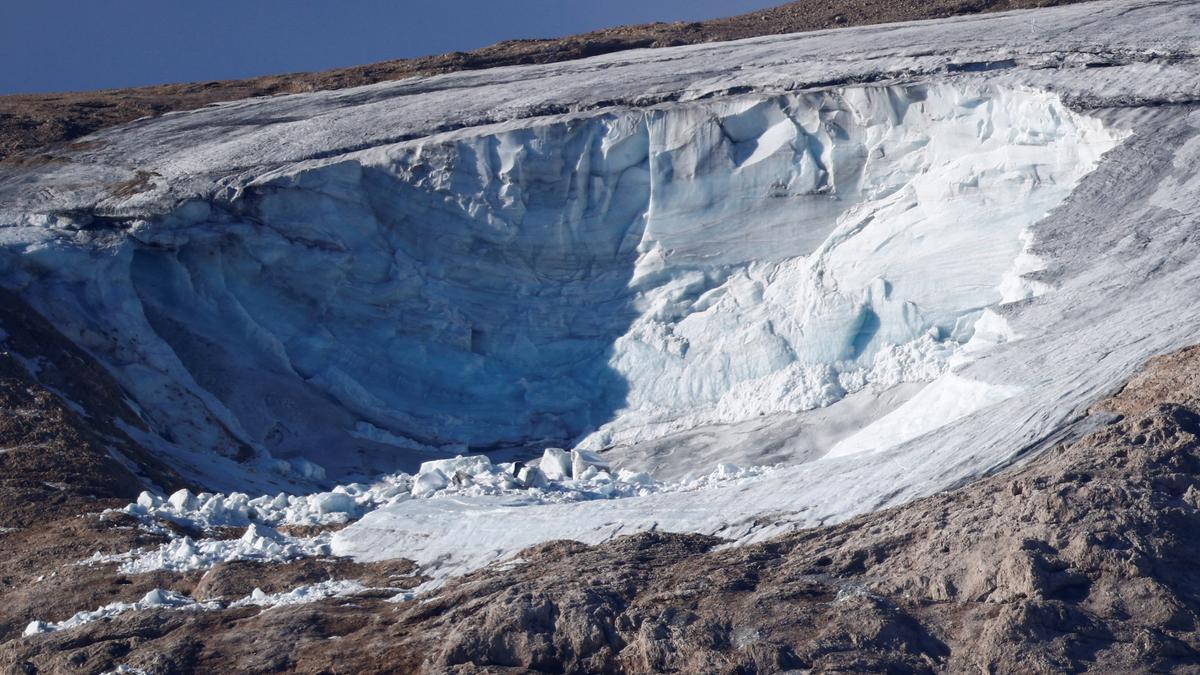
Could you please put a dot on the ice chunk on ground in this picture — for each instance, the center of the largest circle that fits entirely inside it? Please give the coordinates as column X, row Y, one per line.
column 206, row 511
column 470, row 465
column 556, row 464
column 634, row 477
column 182, row 500
column 261, row 542
column 335, row 502
column 582, row 460
column 532, row 476
column 258, row 543
column 429, row 482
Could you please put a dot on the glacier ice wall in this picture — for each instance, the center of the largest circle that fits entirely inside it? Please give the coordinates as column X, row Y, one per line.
column 596, row 278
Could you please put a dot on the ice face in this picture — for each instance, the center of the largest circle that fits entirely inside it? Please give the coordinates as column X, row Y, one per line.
column 588, row 280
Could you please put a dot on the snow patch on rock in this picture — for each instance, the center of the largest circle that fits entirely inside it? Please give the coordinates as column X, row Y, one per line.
column 301, row 595
column 258, row 543
column 154, row 599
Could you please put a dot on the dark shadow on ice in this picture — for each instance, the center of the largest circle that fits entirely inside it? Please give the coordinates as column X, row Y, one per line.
column 465, row 294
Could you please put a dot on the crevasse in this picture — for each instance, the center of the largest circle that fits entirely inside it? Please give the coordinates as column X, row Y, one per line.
column 596, row 279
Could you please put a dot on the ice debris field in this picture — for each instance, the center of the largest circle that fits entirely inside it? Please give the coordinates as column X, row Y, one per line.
column 866, row 265
column 566, row 477
column 562, row 478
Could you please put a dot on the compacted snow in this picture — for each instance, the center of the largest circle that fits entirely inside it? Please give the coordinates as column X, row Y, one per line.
column 877, row 262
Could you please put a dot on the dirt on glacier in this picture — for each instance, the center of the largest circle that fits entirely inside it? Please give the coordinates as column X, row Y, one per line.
column 29, row 122
column 1083, row 560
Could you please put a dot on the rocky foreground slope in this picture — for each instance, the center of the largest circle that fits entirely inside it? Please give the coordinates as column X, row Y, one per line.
column 1082, row 560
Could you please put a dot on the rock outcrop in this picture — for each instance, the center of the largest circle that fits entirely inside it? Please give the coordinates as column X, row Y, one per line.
column 63, row 445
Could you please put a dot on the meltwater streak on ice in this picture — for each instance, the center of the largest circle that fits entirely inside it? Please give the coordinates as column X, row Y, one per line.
column 629, row 274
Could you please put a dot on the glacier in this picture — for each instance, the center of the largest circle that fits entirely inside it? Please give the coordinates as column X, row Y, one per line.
column 879, row 267
column 590, row 281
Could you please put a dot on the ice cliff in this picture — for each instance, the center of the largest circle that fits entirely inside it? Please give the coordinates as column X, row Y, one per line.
column 602, row 278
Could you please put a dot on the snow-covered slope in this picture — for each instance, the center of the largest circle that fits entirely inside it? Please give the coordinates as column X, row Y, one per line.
column 698, row 247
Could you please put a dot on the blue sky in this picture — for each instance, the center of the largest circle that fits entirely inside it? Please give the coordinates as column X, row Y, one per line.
column 62, row 45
